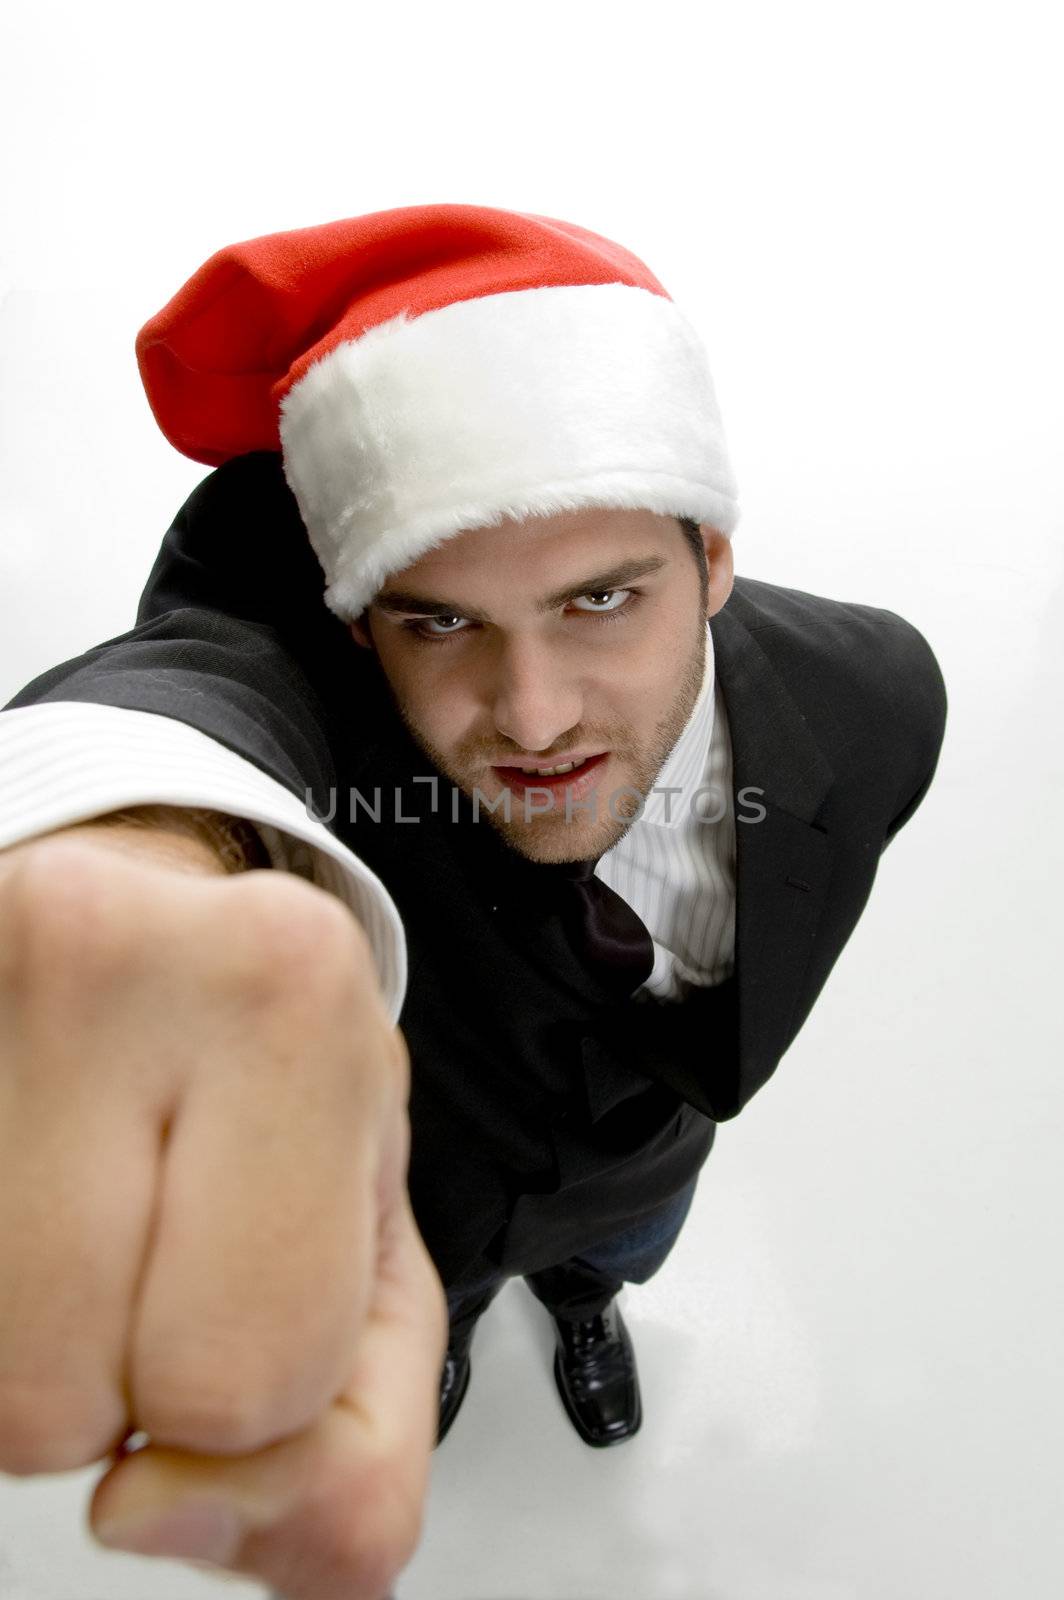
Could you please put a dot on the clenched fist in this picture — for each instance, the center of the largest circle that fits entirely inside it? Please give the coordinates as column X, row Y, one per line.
column 205, row 1233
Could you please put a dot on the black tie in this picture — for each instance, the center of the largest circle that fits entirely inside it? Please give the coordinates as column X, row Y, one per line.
column 603, row 929
column 610, row 943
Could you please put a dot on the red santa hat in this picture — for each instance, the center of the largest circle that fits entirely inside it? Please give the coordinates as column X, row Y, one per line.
column 435, row 368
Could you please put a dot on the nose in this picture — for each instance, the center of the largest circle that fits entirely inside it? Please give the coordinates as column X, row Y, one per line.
column 535, row 697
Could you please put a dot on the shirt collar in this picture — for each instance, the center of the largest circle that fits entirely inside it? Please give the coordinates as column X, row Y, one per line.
column 685, row 765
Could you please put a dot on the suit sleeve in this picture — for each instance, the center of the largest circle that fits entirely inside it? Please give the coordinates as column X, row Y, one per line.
column 222, row 695
column 920, row 700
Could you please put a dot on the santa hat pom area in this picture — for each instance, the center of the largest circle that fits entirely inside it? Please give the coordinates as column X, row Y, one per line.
column 437, row 368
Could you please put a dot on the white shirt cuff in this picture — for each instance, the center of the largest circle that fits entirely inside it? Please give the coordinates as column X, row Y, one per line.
column 66, row 761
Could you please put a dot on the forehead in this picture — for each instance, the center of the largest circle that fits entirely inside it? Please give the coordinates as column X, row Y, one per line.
column 540, row 549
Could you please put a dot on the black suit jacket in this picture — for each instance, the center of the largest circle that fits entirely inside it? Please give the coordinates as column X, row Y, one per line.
column 836, row 711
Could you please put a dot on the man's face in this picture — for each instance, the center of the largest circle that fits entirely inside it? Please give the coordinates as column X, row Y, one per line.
column 574, row 637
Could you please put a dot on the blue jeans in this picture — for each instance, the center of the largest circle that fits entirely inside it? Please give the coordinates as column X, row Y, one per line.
column 582, row 1287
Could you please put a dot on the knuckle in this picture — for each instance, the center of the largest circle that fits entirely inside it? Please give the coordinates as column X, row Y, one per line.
column 205, row 1417
column 26, row 891
column 52, row 1433
column 294, row 918
column 220, row 1392
column 60, row 905
column 302, row 940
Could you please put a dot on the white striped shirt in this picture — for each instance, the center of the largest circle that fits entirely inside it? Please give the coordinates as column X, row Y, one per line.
column 66, row 761
column 676, row 864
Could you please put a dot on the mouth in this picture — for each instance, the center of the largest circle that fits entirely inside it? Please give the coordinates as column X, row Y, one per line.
column 576, row 773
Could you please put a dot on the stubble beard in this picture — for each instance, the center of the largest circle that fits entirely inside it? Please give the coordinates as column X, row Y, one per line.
column 548, row 836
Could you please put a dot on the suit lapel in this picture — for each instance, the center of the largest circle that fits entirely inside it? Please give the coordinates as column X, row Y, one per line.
column 783, row 863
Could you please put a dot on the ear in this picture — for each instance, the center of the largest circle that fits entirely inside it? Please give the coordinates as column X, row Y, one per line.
column 721, row 568
column 359, row 630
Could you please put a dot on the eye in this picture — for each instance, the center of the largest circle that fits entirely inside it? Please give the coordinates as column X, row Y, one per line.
column 423, row 629
column 617, row 604
column 595, row 594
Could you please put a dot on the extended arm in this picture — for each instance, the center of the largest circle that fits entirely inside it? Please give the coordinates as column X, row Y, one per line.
column 228, row 694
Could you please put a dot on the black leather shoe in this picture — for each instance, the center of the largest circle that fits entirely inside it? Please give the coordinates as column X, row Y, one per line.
column 454, row 1381
column 594, row 1368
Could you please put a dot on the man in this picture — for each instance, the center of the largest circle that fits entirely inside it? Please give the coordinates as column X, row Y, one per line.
column 501, row 438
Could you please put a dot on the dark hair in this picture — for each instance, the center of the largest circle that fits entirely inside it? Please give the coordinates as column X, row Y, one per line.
column 693, row 537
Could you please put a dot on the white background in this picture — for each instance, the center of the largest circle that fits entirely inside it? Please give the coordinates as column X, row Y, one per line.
column 850, row 1364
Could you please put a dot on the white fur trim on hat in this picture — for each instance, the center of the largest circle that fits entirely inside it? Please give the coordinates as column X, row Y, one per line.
column 510, row 405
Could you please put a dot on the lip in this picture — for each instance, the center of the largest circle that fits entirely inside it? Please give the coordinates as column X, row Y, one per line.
column 578, row 756
column 578, row 782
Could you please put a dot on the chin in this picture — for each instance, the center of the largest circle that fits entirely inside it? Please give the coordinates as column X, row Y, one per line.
column 553, row 845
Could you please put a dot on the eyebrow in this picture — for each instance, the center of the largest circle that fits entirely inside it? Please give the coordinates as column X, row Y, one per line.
column 416, row 605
